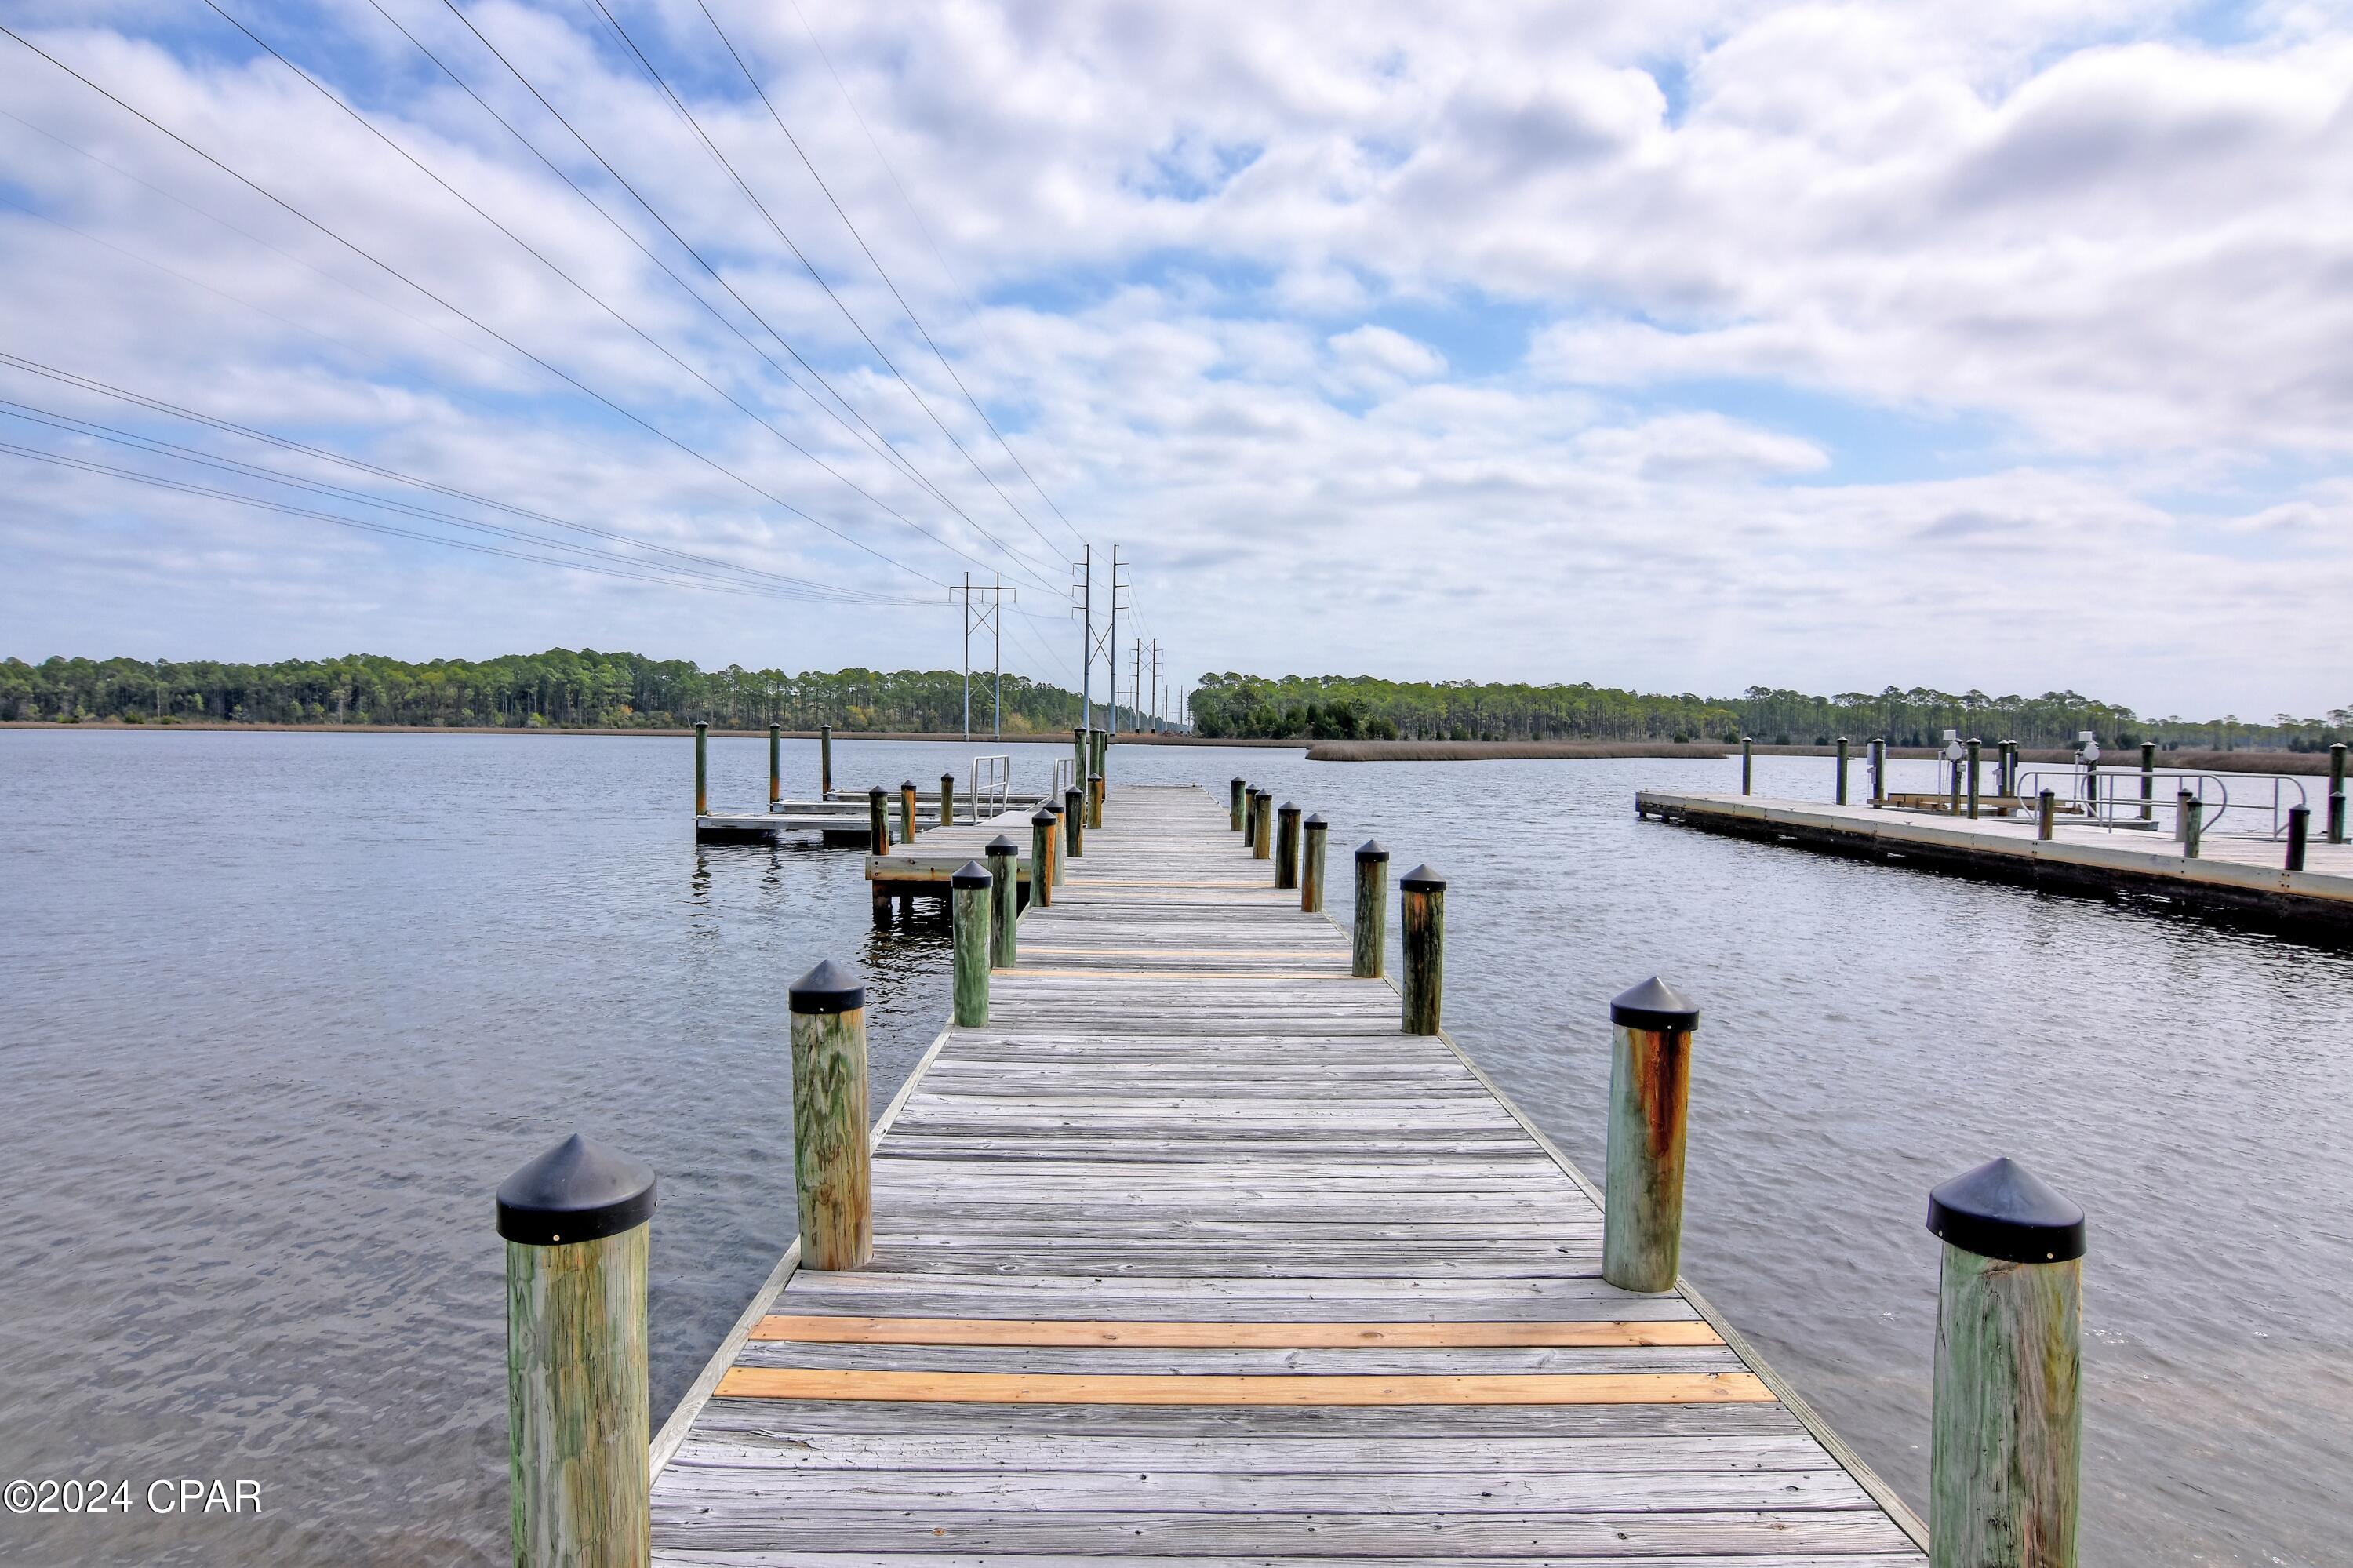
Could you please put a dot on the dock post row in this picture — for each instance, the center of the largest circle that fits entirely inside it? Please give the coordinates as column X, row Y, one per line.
column 575, row 1222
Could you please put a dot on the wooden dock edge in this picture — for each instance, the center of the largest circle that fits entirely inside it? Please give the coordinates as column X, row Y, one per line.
column 672, row 1436
column 2296, row 902
column 1852, row 1463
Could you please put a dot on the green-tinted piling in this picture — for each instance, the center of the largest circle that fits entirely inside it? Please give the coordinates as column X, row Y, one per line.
column 1286, row 845
column 2005, row 1463
column 1878, row 771
column 832, row 1176
column 907, row 828
column 2337, row 793
column 1650, row 1029
column 1262, row 824
column 1250, row 818
column 1234, row 804
column 1422, row 914
column 1311, row 868
column 1004, row 867
column 2193, row 825
column 1079, row 750
column 575, row 1224
column 971, row 893
column 1370, row 932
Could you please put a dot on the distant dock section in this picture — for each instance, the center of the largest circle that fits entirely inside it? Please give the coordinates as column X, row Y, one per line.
column 2240, row 875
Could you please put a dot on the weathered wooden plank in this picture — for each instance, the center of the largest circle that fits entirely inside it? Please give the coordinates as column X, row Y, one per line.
column 748, row 1382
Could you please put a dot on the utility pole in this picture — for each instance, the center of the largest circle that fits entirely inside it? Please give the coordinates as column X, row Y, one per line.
column 1156, row 715
column 1136, row 685
column 1083, row 590
column 993, row 619
column 1111, row 640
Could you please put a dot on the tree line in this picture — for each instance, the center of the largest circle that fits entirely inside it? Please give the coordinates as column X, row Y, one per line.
column 1339, row 707
column 559, row 688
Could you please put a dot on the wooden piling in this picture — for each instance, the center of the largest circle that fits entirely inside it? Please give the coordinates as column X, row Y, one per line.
column 972, row 888
column 1250, row 818
column 1311, row 873
column 2005, row 1466
column 2193, row 825
column 575, row 1224
column 2299, row 828
column 2337, row 793
column 1042, row 859
column 1841, row 770
column 1094, row 801
column 1060, row 850
column 878, row 821
column 1079, row 748
column 1975, row 753
column 1650, row 1031
column 1286, row 845
column 1074, row 824
column 825, row 762
column 1004, row 867
column 2149, row 781
column 1747, row 762
column 907, row 828
column 1370, row 932
column 1878, row 773
column 2046, row 818
column 1422, row 914
column 775, row 763
column 702, row 769
column 1262, row 824
column 1234, row 803
column 947, row 801
column 831, row 1173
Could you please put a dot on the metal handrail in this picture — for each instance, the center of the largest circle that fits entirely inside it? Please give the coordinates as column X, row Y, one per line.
column 1066, row 779
column 2108, row 801
column 992, row 785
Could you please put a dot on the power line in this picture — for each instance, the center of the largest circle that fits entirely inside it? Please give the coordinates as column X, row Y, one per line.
column 680, row 104
column 933, row 245
column 367, row 526
column 895, row 294
column 591, row 295
column 647, row 425
column 157, row 405
column 862, row 431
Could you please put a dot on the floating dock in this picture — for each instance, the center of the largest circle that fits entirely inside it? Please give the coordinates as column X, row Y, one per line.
column 1190, row 1254
column 2238, row 875
column 843, row 823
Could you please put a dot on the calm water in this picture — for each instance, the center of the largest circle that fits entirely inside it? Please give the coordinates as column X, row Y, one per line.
column 282, row 1010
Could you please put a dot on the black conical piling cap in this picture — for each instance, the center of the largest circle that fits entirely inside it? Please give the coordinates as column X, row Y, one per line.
column 1044, row 819
column 1000, row 845
column 1071, row 794
column 2002, row 1210
column 829, row 988
column 1371, row 850
column 576, row 1191
column 971, row 873
column 906, row 783
column 1316, row 820
column 876, row 793
column 1654, row 1004
column 1240, row 779
column 1287, row 809
column 1422, row 879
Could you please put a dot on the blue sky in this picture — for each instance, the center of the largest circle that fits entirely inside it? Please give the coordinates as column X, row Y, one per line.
column 2003, row 349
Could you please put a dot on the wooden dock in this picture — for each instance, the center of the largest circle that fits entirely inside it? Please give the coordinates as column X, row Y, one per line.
column 2237, row 875
column 1190, row 1254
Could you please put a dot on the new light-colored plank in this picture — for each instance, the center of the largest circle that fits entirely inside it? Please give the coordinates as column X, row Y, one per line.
column 1075, row 1388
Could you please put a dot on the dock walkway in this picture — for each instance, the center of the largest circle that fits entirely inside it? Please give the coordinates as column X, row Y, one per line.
column 2239, row 875
column 1190, row 1255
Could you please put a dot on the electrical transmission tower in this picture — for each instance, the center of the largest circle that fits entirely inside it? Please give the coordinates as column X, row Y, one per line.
column 984, row 615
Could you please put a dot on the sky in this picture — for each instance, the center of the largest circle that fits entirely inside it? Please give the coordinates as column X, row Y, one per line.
column 1671, row 345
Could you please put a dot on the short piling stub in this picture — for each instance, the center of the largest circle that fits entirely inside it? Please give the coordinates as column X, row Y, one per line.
column 2006, row 1427
column 1421, row 911
column 970, row 889
column 832, row 1170
column 1650, row 1099
column 1369, row 935
column 575, row 1223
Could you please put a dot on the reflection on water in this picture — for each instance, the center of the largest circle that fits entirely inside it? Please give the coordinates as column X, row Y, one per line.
column 282, row 1010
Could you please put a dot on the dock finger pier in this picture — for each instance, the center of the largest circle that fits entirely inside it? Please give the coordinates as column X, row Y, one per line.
column 1195, row 1237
